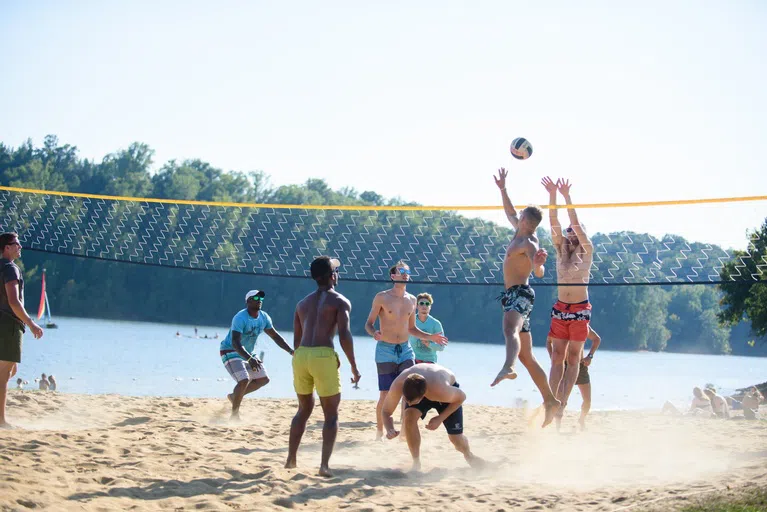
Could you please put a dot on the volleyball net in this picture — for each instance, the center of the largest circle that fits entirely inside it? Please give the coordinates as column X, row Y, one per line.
column 440, row 244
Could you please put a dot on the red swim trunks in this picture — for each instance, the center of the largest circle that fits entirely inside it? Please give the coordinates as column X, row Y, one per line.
column 570, row 321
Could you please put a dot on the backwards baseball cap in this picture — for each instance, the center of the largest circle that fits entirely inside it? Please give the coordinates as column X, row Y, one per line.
column 323, row 266
column 255, row 293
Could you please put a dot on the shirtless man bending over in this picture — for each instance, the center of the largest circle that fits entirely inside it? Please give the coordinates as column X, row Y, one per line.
column 571, row 314
column 522, row 257
column 428, row 386
column 395, row 310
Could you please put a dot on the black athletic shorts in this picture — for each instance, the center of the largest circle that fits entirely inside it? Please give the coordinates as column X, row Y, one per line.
column 453, row 423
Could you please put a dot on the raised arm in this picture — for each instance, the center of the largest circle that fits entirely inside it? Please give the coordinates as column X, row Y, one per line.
column 371, row 321
column 556, row 227
column 343, row 321
column 511, row 213
column 564, row 189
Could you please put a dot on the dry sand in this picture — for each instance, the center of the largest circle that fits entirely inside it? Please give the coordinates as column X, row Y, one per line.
column 108, row 452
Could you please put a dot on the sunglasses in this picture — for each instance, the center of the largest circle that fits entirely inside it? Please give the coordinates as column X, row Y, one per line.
column 403, row 270
column 569, row 230
column 423, row 303
column 257, row 299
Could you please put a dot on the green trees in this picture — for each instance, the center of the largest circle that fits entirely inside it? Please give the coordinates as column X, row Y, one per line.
column 674, row 318
column 749, row 299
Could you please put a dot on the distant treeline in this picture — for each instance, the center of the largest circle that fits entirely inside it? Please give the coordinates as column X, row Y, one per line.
column 671, row 318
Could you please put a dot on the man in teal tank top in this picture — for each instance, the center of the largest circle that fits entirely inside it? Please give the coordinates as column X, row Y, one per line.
column 425, row 350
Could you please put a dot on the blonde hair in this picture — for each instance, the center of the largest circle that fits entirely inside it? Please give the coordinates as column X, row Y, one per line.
column 425, row 295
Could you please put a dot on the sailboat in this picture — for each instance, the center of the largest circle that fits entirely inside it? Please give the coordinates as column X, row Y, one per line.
column 45, row 308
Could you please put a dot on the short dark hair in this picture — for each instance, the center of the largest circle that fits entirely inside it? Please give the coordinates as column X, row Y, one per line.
column 393, row 268
column 7, row 239
column 323, row 267
column 534, row 212
column 414, row 387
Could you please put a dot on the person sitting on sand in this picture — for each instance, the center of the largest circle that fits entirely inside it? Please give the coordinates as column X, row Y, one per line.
column 701, row 404
column 428, row 386
column 749, row 403
column 718, row 404
column 51, row 383
column 44, row 382
column 19, row 383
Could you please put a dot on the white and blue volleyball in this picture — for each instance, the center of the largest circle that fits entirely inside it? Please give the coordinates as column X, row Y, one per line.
column 521, row 149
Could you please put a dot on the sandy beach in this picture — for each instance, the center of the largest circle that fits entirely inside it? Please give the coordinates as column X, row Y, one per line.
column 109, row 452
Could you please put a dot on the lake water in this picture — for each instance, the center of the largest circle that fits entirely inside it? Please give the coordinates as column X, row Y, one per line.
column 135, row 358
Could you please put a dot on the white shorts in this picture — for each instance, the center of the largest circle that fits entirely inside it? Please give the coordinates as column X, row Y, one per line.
column 240, row 370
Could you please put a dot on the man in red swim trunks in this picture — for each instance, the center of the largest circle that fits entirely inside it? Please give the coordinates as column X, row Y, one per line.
column 571, row 314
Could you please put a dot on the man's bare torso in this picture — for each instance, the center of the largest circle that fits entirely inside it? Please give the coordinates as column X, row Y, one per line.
column 438, row 380
column 317, row 313
column 518, row 262
column 394, row 316
column 573, row 268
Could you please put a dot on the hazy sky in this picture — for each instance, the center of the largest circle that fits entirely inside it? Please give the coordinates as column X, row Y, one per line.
column 659, row 100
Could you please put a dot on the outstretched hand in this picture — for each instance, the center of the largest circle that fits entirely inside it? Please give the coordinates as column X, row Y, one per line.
column 540, row 257
column 439, row 339
column 549, row 185
column 501, row 179
column 564, row 186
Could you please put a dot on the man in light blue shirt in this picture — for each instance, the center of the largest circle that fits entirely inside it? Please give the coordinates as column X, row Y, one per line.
column 237, row 350
column 425, row 350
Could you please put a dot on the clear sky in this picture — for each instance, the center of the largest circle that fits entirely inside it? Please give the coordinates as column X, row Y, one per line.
column 633, row 101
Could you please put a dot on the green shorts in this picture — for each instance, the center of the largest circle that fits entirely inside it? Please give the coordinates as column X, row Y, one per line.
column 11, row 331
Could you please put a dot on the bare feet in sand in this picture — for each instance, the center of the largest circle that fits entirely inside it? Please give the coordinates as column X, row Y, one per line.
column 290, row 464
column 582, row 423
column 551, row 409
column 379, row 435
column 476, row 462
column 416, row 467
column 505, row 373
column 325, row 471
column 7, row 426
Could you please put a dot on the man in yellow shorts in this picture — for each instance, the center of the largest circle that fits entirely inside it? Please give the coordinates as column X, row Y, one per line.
column 315, row 361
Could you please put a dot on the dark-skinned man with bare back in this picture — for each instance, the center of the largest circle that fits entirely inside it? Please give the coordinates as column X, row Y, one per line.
column 523, row 256
column 315, row 361
column 571, row 314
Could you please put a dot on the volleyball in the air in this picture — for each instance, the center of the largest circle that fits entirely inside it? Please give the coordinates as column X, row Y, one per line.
column 521, row 149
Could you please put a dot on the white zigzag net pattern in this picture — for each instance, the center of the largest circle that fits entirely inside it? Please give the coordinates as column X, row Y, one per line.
column 440, row 247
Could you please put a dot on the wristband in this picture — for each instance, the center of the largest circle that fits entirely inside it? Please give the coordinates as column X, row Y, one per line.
column 590, row 356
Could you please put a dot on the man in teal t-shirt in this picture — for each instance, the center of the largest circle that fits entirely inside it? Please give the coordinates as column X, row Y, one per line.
column 426, row 351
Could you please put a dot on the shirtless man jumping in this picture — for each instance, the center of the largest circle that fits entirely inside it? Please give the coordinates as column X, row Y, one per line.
column 395, row 310
column 522, row 257
column 428, row 386
column 571, row 314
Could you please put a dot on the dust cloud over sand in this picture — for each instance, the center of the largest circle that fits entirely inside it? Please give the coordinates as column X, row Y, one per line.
column 108, row 452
